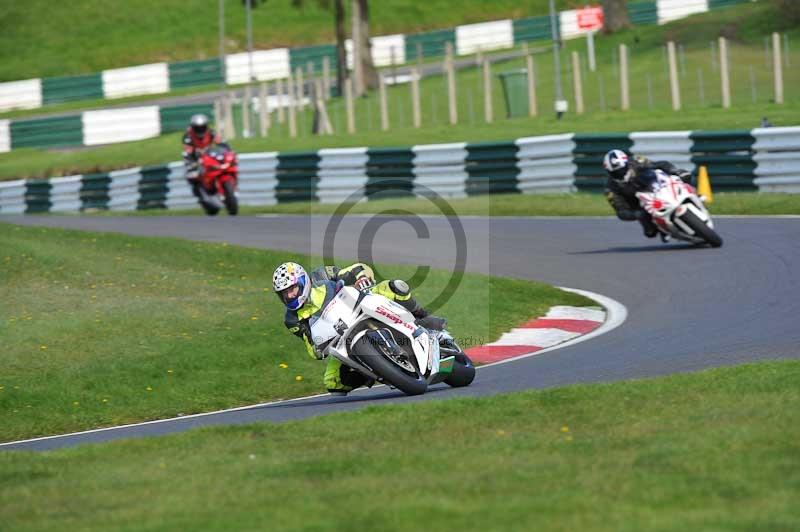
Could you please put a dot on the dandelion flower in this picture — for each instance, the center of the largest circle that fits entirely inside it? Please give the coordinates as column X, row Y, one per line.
column 149, row 389
column 281, row 365
column 298, row 378
column 565, row 429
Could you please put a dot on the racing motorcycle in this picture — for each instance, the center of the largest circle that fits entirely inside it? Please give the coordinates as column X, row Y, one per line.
column 378, row 338
column 676, row 209
column 218, row 177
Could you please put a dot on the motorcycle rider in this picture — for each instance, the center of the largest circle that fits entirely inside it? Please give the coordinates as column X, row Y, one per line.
column 196, row 139
column 306, row 295
column 623, row 183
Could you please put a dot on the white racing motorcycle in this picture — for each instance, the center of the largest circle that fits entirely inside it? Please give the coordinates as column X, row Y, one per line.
column 676, row 210
column 378, row 338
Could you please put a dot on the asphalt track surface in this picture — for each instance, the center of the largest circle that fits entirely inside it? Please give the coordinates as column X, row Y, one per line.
column 688, row 308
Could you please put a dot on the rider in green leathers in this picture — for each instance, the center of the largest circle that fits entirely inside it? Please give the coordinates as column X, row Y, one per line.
column 306, row 295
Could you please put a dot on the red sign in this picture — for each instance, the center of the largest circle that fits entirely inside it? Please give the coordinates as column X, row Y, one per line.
column 590, row 18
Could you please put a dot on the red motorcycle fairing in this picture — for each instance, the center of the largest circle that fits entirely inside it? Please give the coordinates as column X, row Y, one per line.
column 219, row 167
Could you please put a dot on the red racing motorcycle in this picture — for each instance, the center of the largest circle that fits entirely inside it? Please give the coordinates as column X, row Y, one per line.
column 219, row 173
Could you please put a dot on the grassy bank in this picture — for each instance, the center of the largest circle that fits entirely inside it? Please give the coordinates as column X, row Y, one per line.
column 751, row 96
column 98, row 38
column 105, row 329
column 716, row 450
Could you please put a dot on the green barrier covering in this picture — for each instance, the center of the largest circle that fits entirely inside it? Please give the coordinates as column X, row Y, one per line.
column 37, row 195
column 94, row 191
column 72, row 88
column 718, row 4
column 532, row 29
column 728, row 157
column 588, row 157
column 492, row 168
column 390, row 173
column 515, row 91
column 195, row 73
column 153, row 188
column 643, row 13
column 297, row 175
column 47, row 132
column 430, row 44
column 177, row 118
column 299, row 57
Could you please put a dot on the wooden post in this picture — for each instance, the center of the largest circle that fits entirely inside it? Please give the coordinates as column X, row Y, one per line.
column 487, row 90
column 415, row 103
column 531, row 84
column 348, row 96
column 281, row 110
column 451, row 83
column 590, row 50
column 230, row 128
column 324, row 126
column 674, row 86
column 263, row 110
column 384, row 105
column 777, row 67
column 300, row 88
column 724, row 73
column 218, row 120
column 326, row 78
column 290, row 91
column 577, row 86
column 624, row 87
column 246, row 100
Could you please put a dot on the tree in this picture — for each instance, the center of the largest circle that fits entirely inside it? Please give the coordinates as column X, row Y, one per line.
column 367, row 78
column 338, row 22
column 615, row 15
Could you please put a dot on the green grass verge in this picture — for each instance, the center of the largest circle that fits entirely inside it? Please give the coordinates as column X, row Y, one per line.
column 715, row 450
column 105, row 329
column 578, row 204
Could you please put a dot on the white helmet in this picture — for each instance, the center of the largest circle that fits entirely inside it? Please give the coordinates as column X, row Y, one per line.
column 287, row 276
column 199, row 124
column 616, row 164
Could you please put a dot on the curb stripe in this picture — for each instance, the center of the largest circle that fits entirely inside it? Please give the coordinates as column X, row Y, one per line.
column 577, row 326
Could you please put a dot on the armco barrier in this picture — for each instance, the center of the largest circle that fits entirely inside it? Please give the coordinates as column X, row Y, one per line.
column 492, row 168
column 12, row 197
column 440, row 168
column 342, row 174
column 258, row 178
column 777, row 158
column 546, row 164
column 65, row 194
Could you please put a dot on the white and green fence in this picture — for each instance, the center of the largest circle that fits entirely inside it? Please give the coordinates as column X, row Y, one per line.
column 765, row 159
column 275, row 64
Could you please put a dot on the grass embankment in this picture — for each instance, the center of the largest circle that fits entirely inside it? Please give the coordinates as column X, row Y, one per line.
column 579, row 204
column 716, row 450
column 650, row 108
column 106, row 329
column 97, row 38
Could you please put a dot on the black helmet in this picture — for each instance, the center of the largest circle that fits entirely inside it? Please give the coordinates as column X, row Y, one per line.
column 199, row 124
column 616, row 164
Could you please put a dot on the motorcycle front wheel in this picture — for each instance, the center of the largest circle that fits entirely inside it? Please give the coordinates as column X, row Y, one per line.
column 390, row 372
column 702, row 230
column 231, row 203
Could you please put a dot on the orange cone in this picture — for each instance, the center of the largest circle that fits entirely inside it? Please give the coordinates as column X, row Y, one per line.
column 704, row 185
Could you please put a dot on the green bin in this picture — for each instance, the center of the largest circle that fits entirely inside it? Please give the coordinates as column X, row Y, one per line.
column 515, row 89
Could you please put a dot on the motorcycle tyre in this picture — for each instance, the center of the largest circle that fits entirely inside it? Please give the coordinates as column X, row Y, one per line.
column 702, row 230
column 463, row 372
column 231, row 203
column 390, row 372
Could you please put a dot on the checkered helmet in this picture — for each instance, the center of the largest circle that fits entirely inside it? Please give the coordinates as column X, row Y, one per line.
column 286, row 276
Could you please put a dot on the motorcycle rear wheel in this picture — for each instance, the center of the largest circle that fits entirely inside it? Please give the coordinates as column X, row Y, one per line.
column 463, row 372
column 390, row 372
column 702, row 230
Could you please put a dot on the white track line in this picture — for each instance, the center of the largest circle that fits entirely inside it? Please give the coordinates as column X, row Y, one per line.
column 616, row 314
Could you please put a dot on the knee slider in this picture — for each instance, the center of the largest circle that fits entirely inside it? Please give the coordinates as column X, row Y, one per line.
column 400, row 287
